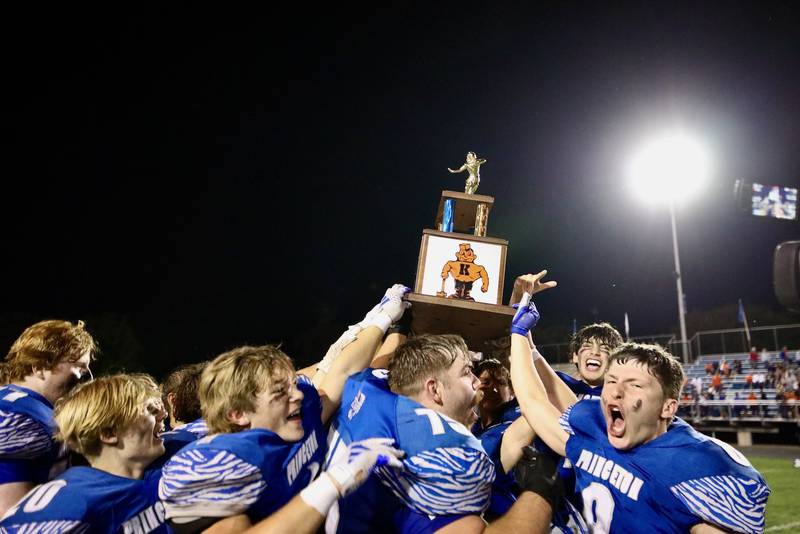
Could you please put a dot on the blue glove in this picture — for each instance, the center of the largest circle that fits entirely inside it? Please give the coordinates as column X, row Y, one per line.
column 526, row 317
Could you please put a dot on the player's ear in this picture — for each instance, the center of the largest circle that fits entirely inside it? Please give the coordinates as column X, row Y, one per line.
column 108, row 437
column 669, row 408
column 170, row 402
column 575, row 358
column 434, row 389
column 38, row 371
column 238, row 417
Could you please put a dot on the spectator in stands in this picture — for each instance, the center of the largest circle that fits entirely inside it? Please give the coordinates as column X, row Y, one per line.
column 749, row 381
column 44, row 364
column 764, row 358
column 697, row 385
column 758, row 380
column 784, row 355
column 751, row 408
column 709, row 368
column 737, row 367
column 716, row 382
column 753, row 356
column 726, row 369
column 737, row 408
column 780, row 398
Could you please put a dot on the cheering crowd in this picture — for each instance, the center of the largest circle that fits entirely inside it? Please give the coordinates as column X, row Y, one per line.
column 389, row 432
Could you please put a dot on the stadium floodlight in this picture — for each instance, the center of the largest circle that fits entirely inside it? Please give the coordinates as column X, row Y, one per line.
column 670, row 169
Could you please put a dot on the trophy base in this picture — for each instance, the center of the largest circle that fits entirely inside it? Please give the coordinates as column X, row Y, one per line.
column 476, row 322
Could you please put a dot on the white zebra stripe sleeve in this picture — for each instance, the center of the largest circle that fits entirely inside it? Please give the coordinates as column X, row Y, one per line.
column 208, row 483
column 443, row 481
column 734, row 503
column 22, row 437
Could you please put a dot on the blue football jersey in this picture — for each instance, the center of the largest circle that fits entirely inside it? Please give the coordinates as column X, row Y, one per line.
column 446, row 470
column 669, row 484
column 580, row 388
column 567, row 518
column 504, row 488
column 254, row 471
column 28, row 449
column 87, row 500
column 178, row 438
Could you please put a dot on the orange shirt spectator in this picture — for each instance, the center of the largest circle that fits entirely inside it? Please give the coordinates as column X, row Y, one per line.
column 716, row 381
column 749, row 379
column 752, row 396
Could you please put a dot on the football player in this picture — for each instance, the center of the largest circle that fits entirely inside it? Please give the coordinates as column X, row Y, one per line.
column 115, row 422
column 43, row 365
column 266, row 438
column 635, row 462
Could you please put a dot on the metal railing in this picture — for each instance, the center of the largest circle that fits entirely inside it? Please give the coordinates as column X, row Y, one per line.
column 741, row 409
column 732, row 340
column 735, row 339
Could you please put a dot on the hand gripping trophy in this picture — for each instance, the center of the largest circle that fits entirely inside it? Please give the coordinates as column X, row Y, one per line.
column 472, row 166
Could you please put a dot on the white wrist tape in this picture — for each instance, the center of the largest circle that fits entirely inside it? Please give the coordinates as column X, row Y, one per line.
column 536, row 355
column 382, row 321
column 321, row 494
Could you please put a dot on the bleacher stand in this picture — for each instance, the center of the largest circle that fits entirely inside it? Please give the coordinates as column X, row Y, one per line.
column 756, row 391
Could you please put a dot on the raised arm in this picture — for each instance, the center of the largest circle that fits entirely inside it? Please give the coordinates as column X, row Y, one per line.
column 541, row 415
column 519, row 434
column 558, row 392
column 460, row 169
column 357, row 354
column 395, row 336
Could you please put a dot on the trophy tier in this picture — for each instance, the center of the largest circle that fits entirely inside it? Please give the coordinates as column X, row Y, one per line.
column 470, row 213
column 476, row 322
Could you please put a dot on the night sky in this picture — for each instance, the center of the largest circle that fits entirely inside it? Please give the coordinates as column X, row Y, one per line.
column 198, row 180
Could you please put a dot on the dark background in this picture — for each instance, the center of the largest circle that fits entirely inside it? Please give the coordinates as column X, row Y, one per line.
column 188, row 181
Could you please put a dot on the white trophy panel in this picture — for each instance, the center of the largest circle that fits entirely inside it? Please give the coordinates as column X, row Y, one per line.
column 441, row 250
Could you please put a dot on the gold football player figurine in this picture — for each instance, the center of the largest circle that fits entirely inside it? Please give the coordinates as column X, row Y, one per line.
column 465, row 271
column 472, row 166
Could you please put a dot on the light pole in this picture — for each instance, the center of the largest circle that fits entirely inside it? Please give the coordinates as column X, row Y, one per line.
column 679, row 283
column 669, row 169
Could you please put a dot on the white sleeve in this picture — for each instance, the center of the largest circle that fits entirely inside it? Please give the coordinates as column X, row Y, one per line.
column 208, row 483
column 732, row 502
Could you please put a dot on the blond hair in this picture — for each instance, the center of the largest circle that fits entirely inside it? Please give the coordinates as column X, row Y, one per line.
column 109, row 403
column 44, row 345
column 421, row 357
column 233, row 380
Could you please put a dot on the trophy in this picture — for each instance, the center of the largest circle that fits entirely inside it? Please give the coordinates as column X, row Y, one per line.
column 460, row 272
